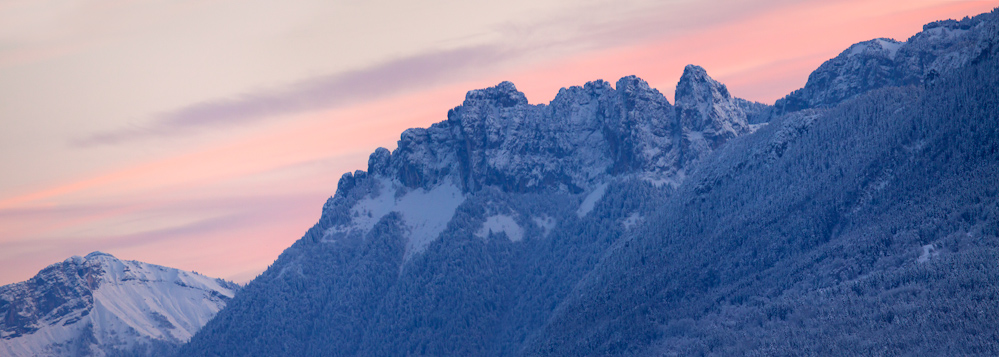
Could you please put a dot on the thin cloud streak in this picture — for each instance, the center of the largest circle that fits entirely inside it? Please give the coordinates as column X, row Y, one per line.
column 253, row 245
column 630, row 27
column 295, row 165
column 317, row 137
column 315, row 94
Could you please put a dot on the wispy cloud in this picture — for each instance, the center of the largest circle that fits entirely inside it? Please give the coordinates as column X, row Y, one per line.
column 545, row 38
column 236, row 218
column 319, row 93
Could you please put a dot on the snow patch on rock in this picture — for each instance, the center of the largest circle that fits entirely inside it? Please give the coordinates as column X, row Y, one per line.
column 890, row 46
column 369, row 211
column 591, row 200
column 545, row 223
column 501, row 223
column 633, row 219
column 427, row 213
column 424, row 212
column 881, row 47
column 929, row 252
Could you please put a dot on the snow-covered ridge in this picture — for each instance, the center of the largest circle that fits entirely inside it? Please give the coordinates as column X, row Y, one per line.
column 97, row 304
column 884, row 47
column 584, row 138
column 586, row 134
column 940, row 48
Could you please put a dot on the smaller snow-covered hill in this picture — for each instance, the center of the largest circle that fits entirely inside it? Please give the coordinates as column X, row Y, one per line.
column 99, row 305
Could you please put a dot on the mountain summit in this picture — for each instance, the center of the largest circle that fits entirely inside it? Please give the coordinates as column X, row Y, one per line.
column 586, row 134
column 611, row 222
column 705, row 106
column 500, row 174
column 942, row 47
column 98, row 304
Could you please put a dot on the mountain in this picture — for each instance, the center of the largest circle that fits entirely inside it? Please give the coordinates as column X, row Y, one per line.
column 452, row 219
column 942, row 47
column 611, row 222
column 99, row 305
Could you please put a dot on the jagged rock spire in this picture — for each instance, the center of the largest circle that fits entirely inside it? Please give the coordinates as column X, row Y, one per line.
column 496, row 138
column 705, row 106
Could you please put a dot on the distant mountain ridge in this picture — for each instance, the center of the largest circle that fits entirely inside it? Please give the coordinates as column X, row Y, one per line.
column 940, row 48
column 469, row 177
column 857, row 216
column 99, row 305
column 495, row 138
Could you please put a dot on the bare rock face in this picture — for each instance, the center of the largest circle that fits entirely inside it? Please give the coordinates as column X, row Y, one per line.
column 709, row 115
column 496, row 138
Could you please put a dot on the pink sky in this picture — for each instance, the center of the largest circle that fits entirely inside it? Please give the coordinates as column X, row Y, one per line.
column 218, row 171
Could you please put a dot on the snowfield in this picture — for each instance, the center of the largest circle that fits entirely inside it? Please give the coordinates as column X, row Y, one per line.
column 121, row 304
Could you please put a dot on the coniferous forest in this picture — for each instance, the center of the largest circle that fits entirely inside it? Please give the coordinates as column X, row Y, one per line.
column 863, row 226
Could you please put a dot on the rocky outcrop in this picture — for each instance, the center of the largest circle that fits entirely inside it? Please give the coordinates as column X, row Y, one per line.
column 709, row 115
column 496, row 138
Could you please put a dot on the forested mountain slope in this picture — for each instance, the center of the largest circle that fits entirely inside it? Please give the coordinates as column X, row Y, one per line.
column 612, row 222
column 867, row 228
column 463, row 238
column 940, row 48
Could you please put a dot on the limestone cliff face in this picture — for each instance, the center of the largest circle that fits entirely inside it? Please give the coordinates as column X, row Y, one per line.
column 587, row 133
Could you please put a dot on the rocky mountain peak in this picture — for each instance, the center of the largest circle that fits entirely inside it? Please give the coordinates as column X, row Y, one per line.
column 632, row 85
column 502, row 95
column 696, row 85
column 496, row 138
column 98, row 254
column 634, row 90
column 705, row 106
column 885, row 48
column 98, row 304
column 940, row 48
